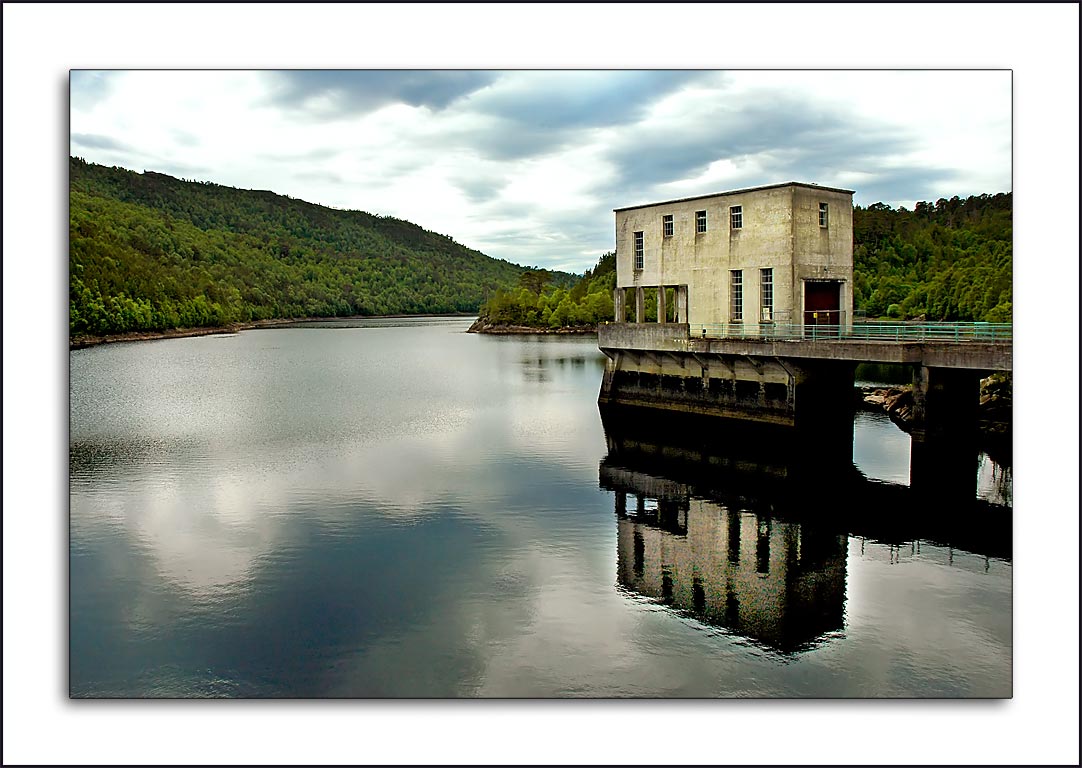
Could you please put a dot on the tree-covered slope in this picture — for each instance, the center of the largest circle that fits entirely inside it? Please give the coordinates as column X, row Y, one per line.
column 948, row 260
column 546, row 300
column 151, row 252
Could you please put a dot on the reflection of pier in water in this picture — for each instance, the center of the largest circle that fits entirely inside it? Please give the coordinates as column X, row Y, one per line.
column 756, row 541
column 767, row 579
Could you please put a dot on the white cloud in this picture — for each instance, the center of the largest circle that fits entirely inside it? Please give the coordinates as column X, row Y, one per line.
column 528, row 167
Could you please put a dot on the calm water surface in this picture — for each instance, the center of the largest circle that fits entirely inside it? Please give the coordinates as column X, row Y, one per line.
column 398, row 508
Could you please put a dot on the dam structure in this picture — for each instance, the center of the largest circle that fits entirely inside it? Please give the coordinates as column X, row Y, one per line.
column 754, row 322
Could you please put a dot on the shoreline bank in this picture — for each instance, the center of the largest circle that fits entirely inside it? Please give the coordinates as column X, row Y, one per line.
column 82, row 342
column 527, row 330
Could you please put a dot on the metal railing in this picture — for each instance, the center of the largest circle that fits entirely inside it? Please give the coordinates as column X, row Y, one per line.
column 902, row 331
column 875, row 331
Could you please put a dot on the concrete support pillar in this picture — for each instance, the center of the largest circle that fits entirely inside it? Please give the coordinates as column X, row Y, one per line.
column 681, row 303
column 822, row 397
column 942, row 471
column 945, row 402
column 621, row 504
column 619, row 298
column 661, row 308
column 640, row 305
column 943, row 453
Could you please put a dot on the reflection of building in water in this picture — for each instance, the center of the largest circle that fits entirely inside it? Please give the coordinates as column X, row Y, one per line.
column 777, row 582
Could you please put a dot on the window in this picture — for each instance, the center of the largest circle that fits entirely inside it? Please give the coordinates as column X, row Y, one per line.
column 736, row 296
column 700, row 222
column 823, row 214
column 766, row 295
column 666, row 225
column 638, row 250
column 736, row 217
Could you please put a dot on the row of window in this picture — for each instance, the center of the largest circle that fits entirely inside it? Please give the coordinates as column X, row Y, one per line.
column 736, row 220
column 700, row 222
column 766, row 295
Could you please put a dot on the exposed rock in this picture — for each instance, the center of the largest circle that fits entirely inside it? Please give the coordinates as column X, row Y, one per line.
column 896, row 402
column 994, row 413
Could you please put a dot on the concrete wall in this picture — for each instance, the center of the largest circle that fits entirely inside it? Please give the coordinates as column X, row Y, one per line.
column 822, row 253
column 780, row 231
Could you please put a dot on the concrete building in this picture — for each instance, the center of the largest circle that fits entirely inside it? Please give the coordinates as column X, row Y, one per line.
column 779, row 254
column 754, row 292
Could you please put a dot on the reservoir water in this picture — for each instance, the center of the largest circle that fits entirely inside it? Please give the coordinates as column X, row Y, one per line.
column 396, row 508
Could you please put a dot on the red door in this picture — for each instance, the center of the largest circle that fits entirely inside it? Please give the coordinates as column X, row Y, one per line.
column 822, row 302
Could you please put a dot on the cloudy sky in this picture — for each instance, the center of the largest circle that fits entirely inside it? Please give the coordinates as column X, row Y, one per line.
column 1036, row 42
column 527, row 165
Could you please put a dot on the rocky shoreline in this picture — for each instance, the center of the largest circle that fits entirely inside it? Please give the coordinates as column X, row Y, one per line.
column 993, row 415
column 481, row 326
column 83, row 341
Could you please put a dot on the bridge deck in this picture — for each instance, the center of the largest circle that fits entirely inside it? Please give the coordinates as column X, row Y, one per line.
column 967, row 352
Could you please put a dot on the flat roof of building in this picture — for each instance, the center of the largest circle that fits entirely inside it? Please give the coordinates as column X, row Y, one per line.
column 738, row 192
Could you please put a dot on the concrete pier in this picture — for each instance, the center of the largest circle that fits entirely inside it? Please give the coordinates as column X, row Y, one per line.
column 792, row 382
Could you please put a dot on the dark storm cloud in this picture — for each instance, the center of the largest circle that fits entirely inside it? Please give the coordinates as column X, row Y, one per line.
column 97, row 141
column 503, row 140
column 480, row 189
column 557, row 107
column 353, row 92
column 786, row 139
column 561, row 100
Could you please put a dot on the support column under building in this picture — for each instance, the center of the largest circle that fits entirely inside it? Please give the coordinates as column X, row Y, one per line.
column 619, row 304
column 661, row 308
column 823, row 406
column 943, row 454
column 681, row 303
column 640, row 305
column 945, row 403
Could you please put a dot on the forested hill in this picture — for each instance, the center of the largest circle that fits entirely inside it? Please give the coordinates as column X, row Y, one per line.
column 150, row 252
column 948, row 260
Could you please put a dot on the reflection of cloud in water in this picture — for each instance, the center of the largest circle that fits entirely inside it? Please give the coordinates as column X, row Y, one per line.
column 880, row 448
column 465, row 549
column 206, row 526
column 893, row 588
column 533, row 633
column 203, row 535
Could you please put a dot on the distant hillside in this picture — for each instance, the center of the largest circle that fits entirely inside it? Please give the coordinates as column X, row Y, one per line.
column 548, row 301
column 150, row 252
